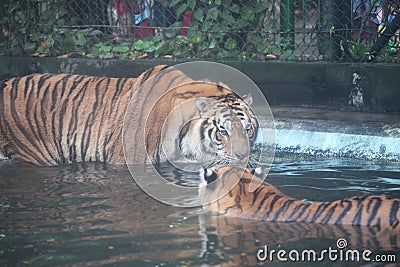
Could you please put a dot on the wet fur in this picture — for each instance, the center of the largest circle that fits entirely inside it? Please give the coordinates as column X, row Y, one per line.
column 269, row 204
column 52, row 119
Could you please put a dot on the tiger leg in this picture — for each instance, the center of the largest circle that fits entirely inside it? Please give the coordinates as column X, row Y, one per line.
column 2, row 144
column 3, row 141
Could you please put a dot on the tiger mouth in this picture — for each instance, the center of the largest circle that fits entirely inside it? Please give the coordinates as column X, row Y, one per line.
column 248, row 161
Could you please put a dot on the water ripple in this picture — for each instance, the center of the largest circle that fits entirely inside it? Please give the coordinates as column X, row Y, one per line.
column 95, row 214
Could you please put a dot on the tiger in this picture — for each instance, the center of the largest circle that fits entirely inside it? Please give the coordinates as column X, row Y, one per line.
column 56, row 119
column 220, row 133
column 267, row 203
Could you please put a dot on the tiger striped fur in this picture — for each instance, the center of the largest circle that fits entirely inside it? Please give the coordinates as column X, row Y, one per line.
column 269, row 204
column 52, row 119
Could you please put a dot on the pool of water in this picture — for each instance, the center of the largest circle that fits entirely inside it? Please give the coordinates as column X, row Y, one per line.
column 95, row 215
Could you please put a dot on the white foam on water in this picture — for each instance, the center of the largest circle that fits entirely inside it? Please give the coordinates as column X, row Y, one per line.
column 346, row 145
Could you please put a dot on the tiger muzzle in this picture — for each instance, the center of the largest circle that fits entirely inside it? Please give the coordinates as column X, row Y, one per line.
column 240, row 145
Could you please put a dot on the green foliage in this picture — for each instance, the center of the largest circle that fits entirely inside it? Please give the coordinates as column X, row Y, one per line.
column 357, row 51
column 360, row 51
column 62, row 41
column 220, row 29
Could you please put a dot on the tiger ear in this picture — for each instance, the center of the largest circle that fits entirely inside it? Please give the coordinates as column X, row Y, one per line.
column 256, row 171
column 259, row 171
column 248, row 99
column 209, row 176
column 203, row 104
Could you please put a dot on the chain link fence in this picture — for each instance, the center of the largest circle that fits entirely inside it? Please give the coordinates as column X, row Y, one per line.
column 305, row 30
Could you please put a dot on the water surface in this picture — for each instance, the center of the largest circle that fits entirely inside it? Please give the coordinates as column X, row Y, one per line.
column 95, row 215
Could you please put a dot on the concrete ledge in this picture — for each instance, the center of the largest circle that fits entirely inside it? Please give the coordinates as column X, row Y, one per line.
column 311, row 132
column 316, row 84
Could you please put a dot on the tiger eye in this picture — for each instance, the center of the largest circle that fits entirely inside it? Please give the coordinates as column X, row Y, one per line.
column 223, row 132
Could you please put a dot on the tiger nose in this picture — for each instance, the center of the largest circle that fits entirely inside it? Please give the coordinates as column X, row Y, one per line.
column 242, row 154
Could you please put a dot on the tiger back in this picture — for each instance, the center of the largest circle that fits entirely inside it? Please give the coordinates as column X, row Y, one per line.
column 51, row 119
column 269, row 204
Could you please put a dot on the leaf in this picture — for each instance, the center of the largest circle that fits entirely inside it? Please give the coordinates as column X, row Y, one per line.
column 262, row 6
column 181, row 9
column 248, row 13
column 61, row 31
column 272, row 49
column 108, row 55
column 157, row 38
column 218, row 2
column 80, row 34
column 177, row 53
column 104, row 49
column 207, row 25
column 289, row 55
column 223, row 54
column 198, row 15
column 121, row 49
column 174, row 3
column 69, row 43
column 191, row 4
column 96, row 32
column 50, row 42
column 161, row 49
column 227, row 18
column 197, row 37
column 138, row 45
column 81, row 41
column 94, row 52
column 182, row 39
column 29, row 48
column 357, row 50
column 135, row 54
column 173, row 30
column 212, row 13
column 230, row 44
column 148, row 47
column 35, row 37
column 213, row 44
column 234, row 8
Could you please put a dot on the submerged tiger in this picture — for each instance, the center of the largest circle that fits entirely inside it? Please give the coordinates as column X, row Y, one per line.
column 52, row 119
column 269, row 204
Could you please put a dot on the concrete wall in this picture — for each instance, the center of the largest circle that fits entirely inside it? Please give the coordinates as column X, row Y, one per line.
column 370, row 87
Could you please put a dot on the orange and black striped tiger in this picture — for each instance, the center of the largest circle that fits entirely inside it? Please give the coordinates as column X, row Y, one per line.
column 52, row 119
column 269, row 204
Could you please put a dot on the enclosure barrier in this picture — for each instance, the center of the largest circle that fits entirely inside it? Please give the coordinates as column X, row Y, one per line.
column 302, row 30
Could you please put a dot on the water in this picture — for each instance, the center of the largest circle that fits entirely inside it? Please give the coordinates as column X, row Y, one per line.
column 95, row 215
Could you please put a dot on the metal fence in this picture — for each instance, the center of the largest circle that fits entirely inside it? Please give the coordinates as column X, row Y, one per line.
column 306, row 30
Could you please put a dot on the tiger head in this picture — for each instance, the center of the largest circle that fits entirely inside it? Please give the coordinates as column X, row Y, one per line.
column 226, row 189
column 223, row 133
